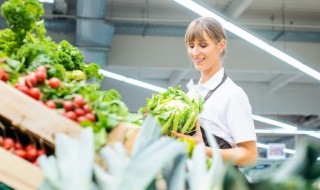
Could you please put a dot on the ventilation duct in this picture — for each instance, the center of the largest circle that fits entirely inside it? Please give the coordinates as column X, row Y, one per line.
column 93, row 35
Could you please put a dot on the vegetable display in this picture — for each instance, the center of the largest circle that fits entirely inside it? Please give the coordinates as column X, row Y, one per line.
column 174, row 110
column 55, row 73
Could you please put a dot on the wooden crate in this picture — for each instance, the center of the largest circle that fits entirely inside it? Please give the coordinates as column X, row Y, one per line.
column 18, row 173
column 32, row 116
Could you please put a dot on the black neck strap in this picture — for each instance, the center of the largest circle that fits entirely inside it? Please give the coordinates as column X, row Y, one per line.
column 213, row 90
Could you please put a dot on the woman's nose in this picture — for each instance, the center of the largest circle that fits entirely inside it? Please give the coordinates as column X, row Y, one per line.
column 195, row 51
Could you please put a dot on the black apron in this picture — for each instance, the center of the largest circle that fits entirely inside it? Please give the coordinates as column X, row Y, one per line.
column 223, row 144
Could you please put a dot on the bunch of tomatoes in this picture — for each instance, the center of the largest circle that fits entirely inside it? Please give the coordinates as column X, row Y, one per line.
column 29, row 152
column 75, row 109
column 32, row 79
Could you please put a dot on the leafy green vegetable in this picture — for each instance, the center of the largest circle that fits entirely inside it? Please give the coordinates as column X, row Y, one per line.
column 70, row 57
column 8, row 42
column 22, row 15
column 174, row 110
column 26, row 42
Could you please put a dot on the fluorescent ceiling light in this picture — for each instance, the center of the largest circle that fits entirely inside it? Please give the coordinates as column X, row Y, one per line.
column 273, row 122
column 46, row 1
column 289, row 132
column 290, row 129
column 193, row 6
column 132, row 81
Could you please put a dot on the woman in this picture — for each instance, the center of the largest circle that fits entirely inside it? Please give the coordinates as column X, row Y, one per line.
column 227, row 112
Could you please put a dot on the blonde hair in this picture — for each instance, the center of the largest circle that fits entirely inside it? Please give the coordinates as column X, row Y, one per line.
column 209, row 25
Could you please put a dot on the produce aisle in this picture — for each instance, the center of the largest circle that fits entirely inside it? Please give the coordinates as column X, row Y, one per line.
column 60, row 132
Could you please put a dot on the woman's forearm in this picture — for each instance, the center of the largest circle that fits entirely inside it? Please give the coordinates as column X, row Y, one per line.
column 241, row 156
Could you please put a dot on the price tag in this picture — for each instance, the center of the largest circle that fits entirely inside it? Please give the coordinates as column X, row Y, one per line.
column 276, row 151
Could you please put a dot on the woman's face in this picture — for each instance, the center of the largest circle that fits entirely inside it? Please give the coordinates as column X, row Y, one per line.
column 205, row 54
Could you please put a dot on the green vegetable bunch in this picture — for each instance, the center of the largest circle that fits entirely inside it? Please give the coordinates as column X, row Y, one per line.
column 26, row 42
column 174, row 110
column 22, row 15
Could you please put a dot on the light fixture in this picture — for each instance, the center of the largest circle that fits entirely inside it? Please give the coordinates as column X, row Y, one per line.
column 288, row 132
column 273, row 122
column 195, row 7
column 289, row 128
column 46, row 1
column 132, row 81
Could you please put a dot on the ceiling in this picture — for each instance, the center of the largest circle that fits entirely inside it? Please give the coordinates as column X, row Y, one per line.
column 143, row 39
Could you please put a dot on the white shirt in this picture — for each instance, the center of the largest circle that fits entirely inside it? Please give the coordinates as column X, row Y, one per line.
column 227, row 113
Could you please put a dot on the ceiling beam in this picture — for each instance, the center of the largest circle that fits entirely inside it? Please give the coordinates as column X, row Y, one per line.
column 281, row 81
column 237, row 7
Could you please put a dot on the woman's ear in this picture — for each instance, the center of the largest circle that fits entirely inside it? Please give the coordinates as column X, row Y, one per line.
column 222, row 45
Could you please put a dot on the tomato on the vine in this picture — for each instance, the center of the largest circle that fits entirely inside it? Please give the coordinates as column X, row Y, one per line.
column 51, row 104
column 35, row 93
column 54, row 82
column 79, row 101
column 67, row 105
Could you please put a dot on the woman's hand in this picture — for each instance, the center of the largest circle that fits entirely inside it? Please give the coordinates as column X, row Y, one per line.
column 145, row 114
column 197, row 136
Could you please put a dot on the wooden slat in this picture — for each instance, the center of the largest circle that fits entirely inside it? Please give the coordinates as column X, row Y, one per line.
column 125, row 133
column 18, row 173
column 33, row 116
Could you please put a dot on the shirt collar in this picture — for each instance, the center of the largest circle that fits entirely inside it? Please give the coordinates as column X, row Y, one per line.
column 214, row 81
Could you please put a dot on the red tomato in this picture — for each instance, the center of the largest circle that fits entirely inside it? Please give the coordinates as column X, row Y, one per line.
column 79, row 101
column 21, row 153
column 35, row 93
column 42, row 68
column 68, row 106
column 23, row 88
column 90, row 117
column 51, row 104
column 71, row 115
column 30, row 80
column 41, row 76
column 18, row 146
column 87, row 108
column 81, row 118
column 8, row 143
column 30, row 146
column 79, row 112
column 32, row 154
column 54, row 82
column 4, row 75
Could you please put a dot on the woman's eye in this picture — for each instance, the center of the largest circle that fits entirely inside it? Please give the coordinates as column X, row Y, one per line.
column 203, row 45
column 191, row 45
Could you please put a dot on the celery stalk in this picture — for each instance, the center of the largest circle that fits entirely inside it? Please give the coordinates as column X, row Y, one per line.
column 165, row 128
column 176, row 121
column 187, row 124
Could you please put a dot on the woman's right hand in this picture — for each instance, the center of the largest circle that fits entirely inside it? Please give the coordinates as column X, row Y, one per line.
column 197, row 136
column 145, row 114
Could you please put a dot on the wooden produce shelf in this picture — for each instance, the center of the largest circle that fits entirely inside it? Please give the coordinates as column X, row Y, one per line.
column 18, row 173
column 32, row 116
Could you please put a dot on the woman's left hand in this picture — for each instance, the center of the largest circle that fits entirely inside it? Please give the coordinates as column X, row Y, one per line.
column 197, row 136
